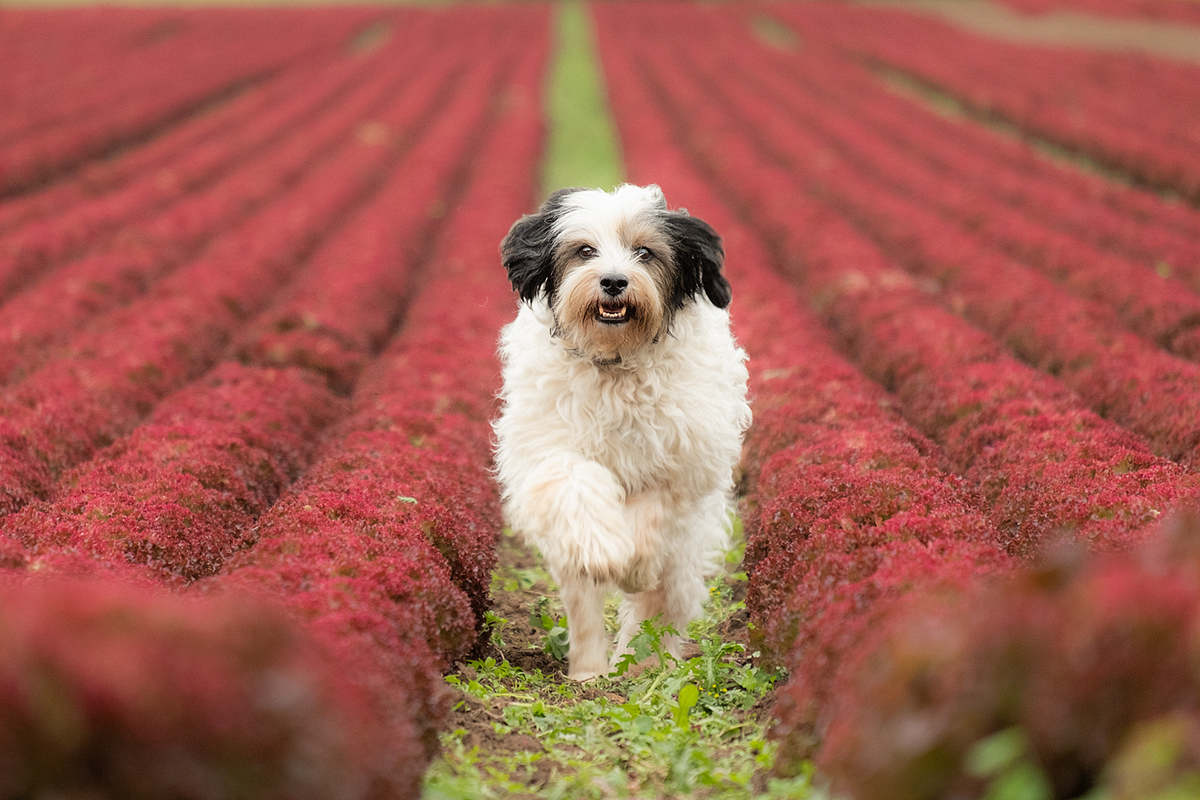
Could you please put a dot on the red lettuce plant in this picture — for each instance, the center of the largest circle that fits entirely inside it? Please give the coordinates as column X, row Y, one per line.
column 183, row 492
column 1086, row 663
column 113, row 687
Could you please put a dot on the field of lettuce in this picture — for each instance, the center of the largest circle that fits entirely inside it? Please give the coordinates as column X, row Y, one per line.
column 249, row 301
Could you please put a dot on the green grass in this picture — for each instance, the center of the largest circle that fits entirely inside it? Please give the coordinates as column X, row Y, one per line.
column 582, row 148
column 657, row 727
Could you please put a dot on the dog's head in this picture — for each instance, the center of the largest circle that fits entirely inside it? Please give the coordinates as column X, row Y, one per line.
column 615, row 267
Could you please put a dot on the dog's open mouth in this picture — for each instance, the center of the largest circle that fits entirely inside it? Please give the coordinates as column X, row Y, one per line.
column 614, row 313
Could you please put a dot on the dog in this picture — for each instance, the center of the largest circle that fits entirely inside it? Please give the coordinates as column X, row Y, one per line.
column 623, row 409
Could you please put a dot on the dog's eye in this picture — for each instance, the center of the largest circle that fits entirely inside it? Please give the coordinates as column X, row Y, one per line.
column 643, row 254
column 587, row 251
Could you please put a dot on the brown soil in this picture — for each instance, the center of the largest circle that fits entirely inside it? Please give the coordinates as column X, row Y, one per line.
column 1073, row 28
column 521, row 646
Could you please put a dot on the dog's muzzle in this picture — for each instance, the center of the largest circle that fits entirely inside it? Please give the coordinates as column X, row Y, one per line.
column 613, row 310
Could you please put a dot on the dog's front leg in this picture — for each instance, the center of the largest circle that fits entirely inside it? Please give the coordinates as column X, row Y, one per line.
column 645, row 514
column 573, row 510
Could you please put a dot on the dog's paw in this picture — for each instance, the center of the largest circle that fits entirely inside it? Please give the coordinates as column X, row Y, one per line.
column 644, row 514
column 583, row 676
column 597, row 554
column 575, row 514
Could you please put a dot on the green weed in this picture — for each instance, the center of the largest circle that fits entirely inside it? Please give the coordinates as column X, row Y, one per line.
column 495, row 626
column 682, row 727
column 540, row 619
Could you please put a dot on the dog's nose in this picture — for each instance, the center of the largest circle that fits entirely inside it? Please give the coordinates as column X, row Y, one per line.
column 613, row 284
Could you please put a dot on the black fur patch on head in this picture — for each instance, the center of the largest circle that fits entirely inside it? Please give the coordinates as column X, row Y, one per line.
column 527, row 252
column 699, row 257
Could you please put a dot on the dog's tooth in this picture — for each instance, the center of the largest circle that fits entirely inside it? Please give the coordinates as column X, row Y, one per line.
column 614, row 314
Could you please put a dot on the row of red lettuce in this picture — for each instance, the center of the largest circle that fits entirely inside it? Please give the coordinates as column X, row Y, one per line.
column 226, row 182
column 1152, row 288
column 104, row 377
column 1169, row 11
column 122, row 88
column 1083, row 331
column 883, row 527
column 310, row 621
column 1077, row 98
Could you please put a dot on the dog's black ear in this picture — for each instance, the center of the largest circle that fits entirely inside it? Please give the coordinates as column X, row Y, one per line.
column 527, row 252
column 699, row 256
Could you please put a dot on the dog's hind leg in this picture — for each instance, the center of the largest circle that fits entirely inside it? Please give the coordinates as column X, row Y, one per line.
column 677, row 600
column 584, row 602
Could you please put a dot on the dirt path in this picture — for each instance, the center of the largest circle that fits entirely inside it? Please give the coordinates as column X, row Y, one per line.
column 1179, row 42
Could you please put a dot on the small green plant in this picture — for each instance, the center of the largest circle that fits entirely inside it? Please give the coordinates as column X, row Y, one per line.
column 646, row 643
column 495, row 626
column 678, row 727
column 522, row 580
column 540, row 619
column 1006, row 761
column 722, row 683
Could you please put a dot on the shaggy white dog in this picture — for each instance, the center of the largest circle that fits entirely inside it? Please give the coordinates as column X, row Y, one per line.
column 624, row 406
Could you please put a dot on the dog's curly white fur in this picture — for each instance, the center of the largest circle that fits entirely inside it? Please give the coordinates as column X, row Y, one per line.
column 624, row 407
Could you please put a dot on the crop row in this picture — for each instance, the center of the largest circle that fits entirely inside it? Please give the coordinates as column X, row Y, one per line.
column 203, row 57
column 155, row 156
column 382, row 551
column 994, row 168
column 159, row 158
column 1095, row 252
column 1078, row 669
column 332, row 316
column 113, row 370
column 852, row 521
column 1083, row 343
column 203, row 167
column 1074, row 97
column 115, row 272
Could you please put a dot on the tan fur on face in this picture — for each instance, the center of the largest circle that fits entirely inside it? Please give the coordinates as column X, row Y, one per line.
column 579, row 295
column 578, row 304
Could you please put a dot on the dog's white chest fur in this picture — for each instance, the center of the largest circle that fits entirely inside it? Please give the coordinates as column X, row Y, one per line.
column 671, row 421
column 636, row 431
